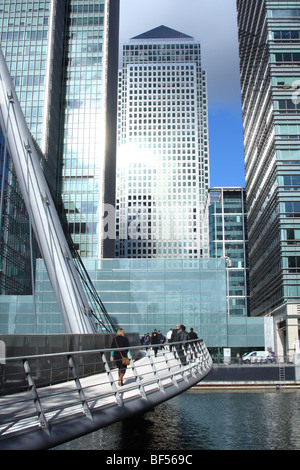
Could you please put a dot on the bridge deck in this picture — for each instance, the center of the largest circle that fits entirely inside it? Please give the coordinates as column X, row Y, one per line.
column 48, row 416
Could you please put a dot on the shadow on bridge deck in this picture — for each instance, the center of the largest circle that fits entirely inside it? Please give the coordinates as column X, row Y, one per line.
column 42, row 418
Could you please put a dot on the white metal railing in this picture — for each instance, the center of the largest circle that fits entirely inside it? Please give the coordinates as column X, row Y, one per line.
column 43, row 392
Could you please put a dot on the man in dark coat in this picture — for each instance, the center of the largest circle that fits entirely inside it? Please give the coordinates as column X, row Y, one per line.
column 182, row 336
column 174, row 337
column 193, row 335
column 155, row 340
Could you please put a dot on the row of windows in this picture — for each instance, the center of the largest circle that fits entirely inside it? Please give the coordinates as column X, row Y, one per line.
column 284, row 13
column 27, row 35
column 286, row 35
column 289, row 155
column 291, row 181
column 163, row 58
column 191, row 47
column 287, row 57
column 91, row 21
column 29, row 80
column 292, row 235
column 287, row 106
column 293, row 263
column 81, row 184
column 286, row 129
column 86, row 7
column 83, row 227
column 292, row 209
column 18, row 5
column 84, row 61
column 166, row 70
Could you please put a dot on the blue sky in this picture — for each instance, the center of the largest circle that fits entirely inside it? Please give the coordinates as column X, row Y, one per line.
column 213, row 23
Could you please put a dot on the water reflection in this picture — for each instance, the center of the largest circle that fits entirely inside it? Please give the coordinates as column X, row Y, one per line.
column 211, row 421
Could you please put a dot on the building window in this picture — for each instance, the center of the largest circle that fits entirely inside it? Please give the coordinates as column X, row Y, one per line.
column 294, row 264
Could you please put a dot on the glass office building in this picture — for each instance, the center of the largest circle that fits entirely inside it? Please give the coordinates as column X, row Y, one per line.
column 25, row 35
column 18, row 247
column 228, row 239
column 269, row 44
column 143, row 294
column 87, row 149
column 163, row 159
column 63, row 58
column 31, row 41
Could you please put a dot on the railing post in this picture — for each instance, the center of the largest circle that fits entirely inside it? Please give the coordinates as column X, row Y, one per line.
column 112, row 381
column 81, row 394
column 155, row 372
column 190, row 353
column 36, row 399
column 138, row 379
column 185, row 363
column 201, row 356
column 172, row 374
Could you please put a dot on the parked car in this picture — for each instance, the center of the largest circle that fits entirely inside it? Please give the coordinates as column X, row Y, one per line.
column 258, row 356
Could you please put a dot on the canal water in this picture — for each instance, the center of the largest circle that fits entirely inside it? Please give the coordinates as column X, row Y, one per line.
column 198, row 420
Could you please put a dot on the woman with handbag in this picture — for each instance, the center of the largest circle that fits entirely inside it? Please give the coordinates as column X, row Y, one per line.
column 122, row 361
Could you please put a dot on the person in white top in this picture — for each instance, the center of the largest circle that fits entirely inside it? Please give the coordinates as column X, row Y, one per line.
column 169, row 335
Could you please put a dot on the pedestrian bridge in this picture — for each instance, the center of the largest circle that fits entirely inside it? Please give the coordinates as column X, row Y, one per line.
column 50, row 399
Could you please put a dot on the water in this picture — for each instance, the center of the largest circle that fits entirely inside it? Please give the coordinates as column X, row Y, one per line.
column 210, row 421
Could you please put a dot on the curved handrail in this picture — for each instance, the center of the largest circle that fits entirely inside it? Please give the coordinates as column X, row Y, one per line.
column 60, row 389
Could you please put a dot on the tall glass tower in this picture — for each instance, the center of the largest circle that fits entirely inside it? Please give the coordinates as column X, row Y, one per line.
column 163, row 158
column 63, row 58
column 228, row 239
column 269, row 40
column 88, row 121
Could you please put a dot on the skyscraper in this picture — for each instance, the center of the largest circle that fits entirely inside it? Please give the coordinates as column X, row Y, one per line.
column 88, row 121
column 63, row 58
column 163, row 158
column 269, row 41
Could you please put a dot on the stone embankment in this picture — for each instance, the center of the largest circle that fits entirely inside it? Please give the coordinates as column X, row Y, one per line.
column 250, row 377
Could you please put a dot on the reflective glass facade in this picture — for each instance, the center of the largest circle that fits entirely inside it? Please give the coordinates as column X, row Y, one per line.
column 228, row 238
column 16, row 237
column 29, row 31
column 143, row 294
column 163, row 161
column 87, row 148
column 270, row 76
column 63, row 58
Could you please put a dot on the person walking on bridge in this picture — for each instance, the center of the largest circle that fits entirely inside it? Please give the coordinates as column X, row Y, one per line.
column 155, row 341
column 120, row 356
column 182, row 336
column 193, row 335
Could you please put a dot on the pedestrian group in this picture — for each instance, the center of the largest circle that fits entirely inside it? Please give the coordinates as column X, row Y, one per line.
column 156, row 340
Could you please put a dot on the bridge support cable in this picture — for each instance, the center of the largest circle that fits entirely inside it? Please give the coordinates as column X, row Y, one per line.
column 51, row 404
column 99, row 312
